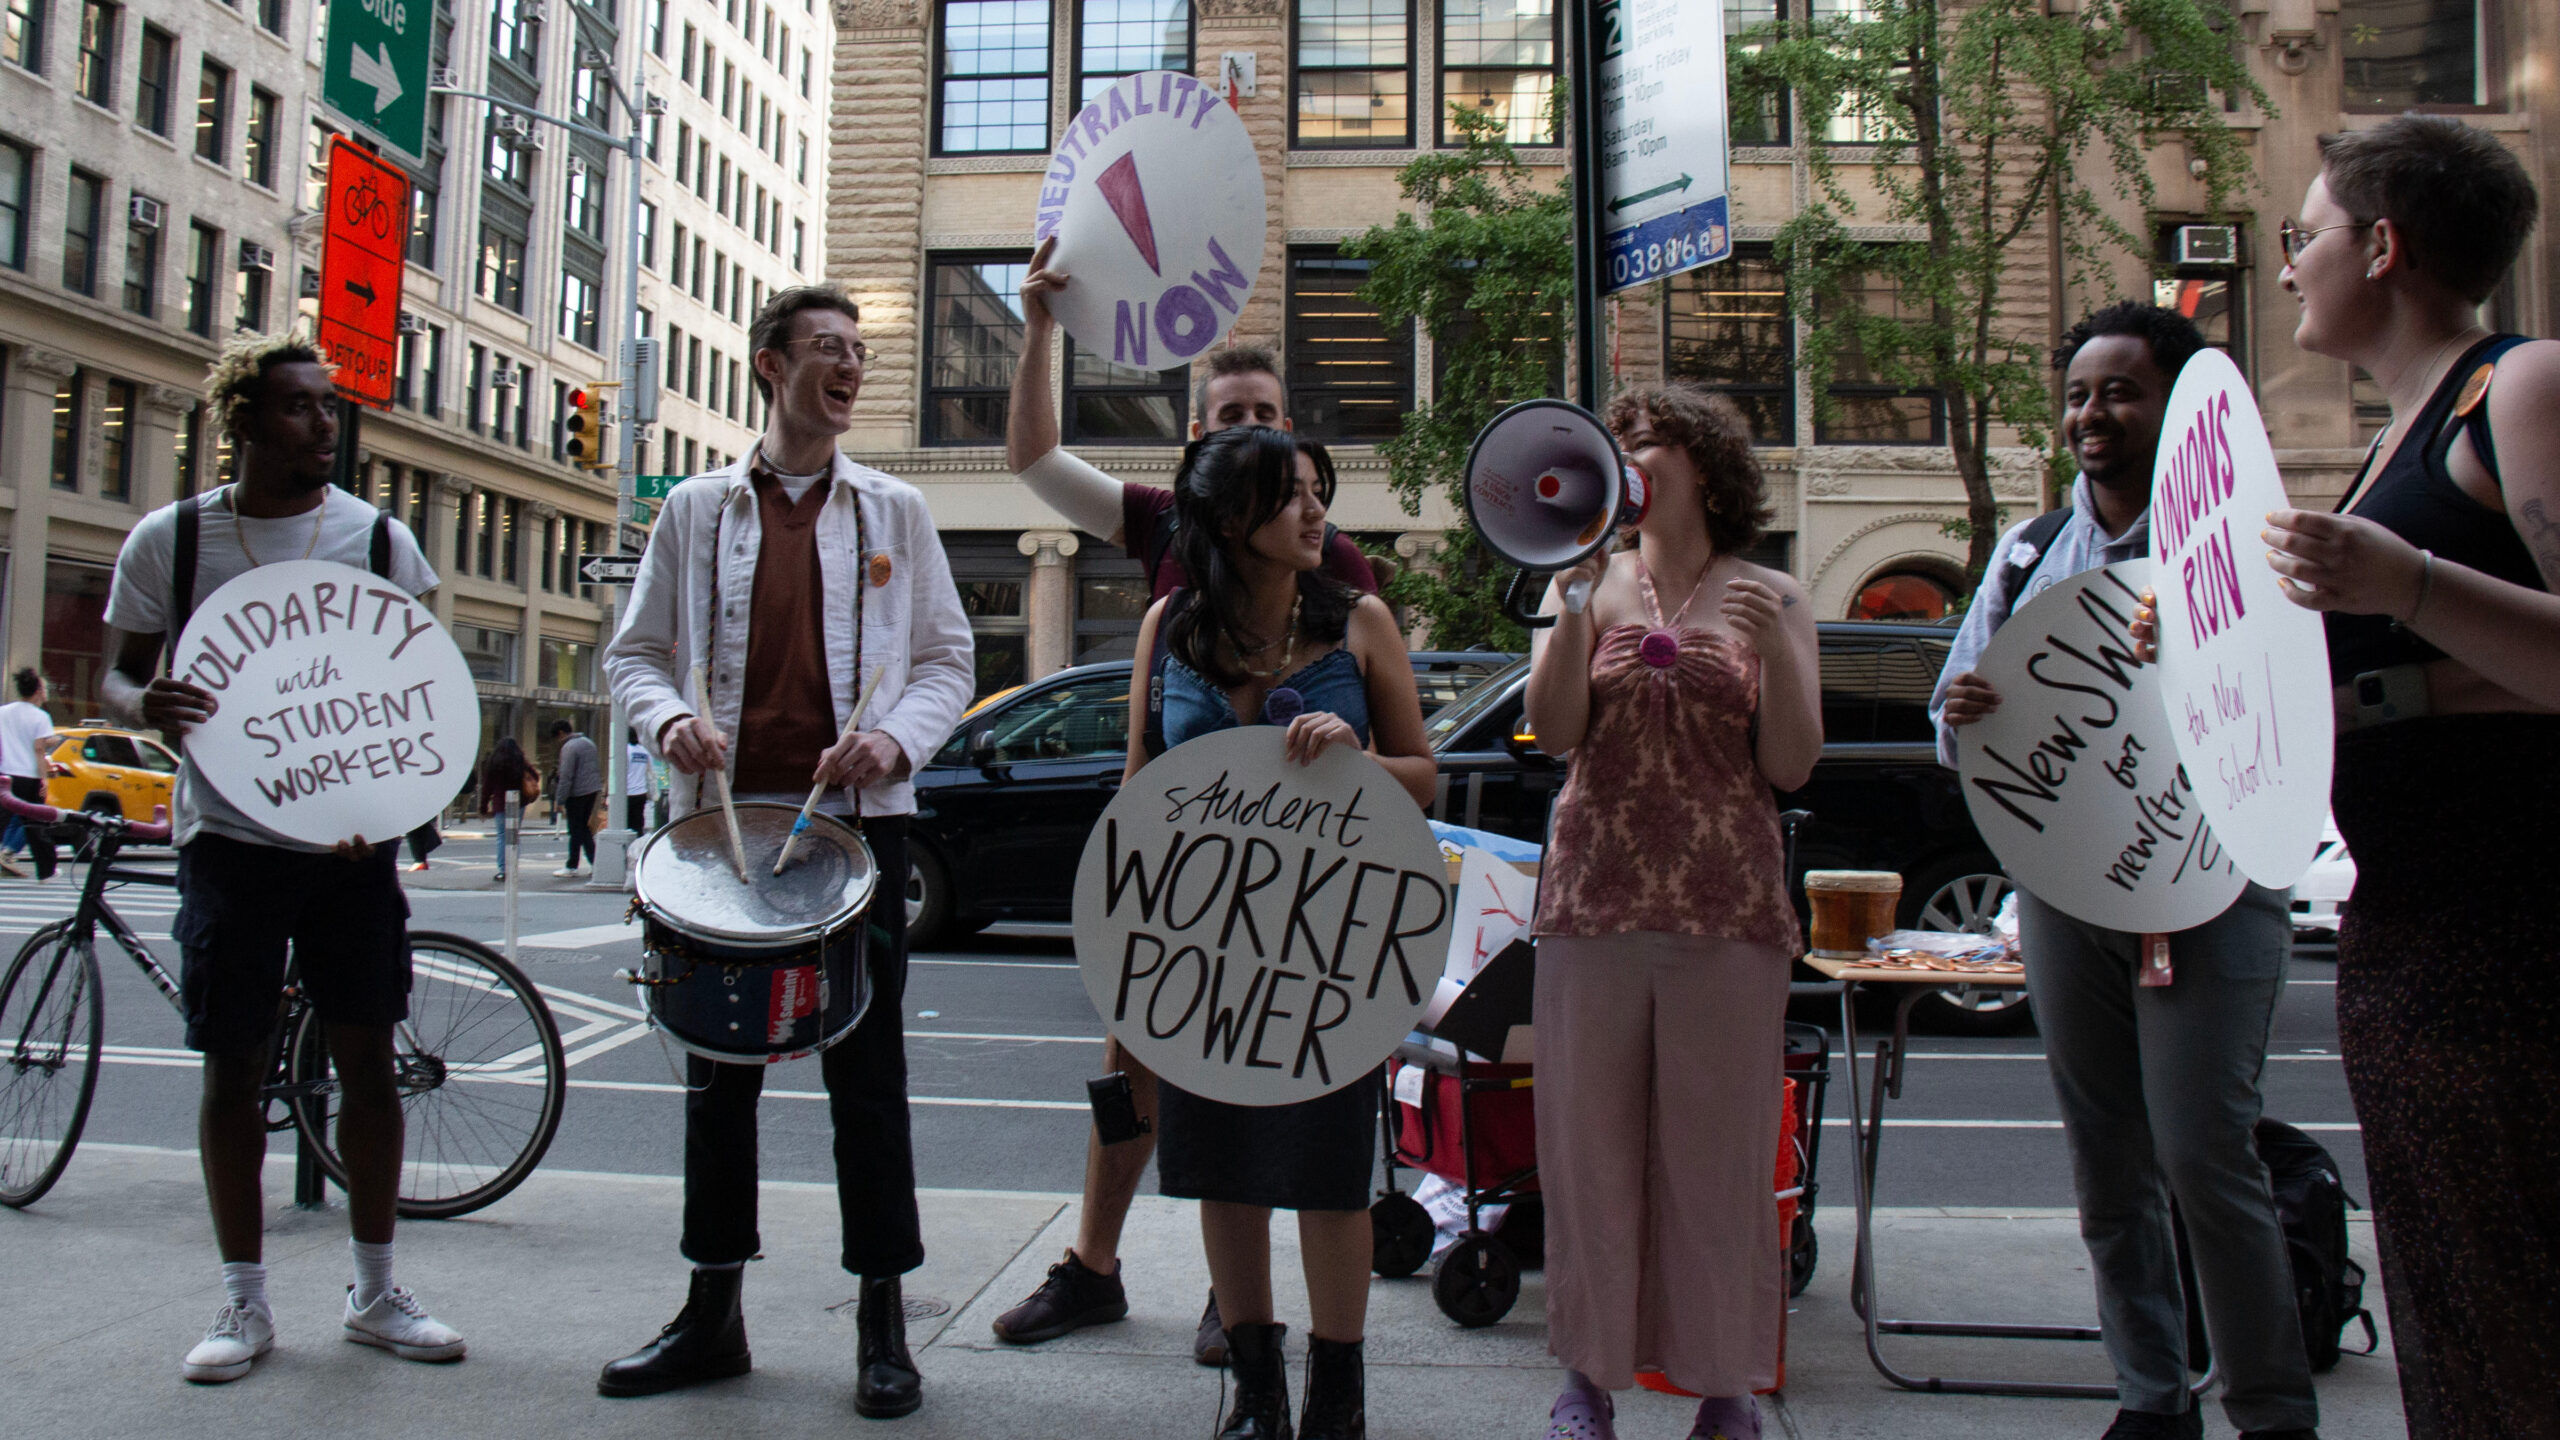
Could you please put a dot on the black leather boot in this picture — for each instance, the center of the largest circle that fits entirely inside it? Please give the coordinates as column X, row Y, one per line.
column 706, row 1341
column 1262, row 1383
column 886, row 1385
column 1337, row 1403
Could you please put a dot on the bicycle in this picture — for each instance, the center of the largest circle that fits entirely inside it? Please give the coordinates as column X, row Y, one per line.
column 480, row 1071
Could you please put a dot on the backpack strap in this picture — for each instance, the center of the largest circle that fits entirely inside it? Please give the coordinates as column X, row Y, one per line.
column 182, row 578
column 2037, row 536
column 2475, row 419
column 378, row 553
column 1160, row 546
column 1153, row 736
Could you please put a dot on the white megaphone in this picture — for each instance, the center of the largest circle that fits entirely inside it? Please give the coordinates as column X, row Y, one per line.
column 1546, row 487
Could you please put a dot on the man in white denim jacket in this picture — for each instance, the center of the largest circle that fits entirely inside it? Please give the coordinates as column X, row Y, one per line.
column 790, row 577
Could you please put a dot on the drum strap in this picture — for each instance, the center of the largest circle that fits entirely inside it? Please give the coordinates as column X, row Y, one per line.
column 861, row 582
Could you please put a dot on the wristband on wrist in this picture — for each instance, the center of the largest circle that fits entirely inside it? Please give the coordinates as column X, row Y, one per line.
column 2426, row 582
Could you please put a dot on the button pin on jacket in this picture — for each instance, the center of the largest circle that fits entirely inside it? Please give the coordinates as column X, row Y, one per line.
column 880, row 567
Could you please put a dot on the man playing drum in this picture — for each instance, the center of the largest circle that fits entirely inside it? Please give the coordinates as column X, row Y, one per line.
column 788, row 579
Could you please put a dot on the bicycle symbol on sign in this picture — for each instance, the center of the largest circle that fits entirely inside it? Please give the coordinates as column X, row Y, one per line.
column 365, row 207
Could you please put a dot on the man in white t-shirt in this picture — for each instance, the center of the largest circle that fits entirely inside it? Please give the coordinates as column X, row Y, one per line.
column 246, row 894
column 23, row 725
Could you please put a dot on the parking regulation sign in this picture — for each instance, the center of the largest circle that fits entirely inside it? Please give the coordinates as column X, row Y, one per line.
column 1662, row 129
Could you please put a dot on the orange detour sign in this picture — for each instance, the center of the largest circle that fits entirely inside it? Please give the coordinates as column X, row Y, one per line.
column 360, row 269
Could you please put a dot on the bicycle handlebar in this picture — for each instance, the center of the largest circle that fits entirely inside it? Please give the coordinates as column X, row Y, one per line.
column 34, row 814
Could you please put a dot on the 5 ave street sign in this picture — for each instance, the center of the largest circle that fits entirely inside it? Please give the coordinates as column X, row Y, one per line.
column 360, row 270
column 610, row 569
column 1662, row 139
column 375, row 70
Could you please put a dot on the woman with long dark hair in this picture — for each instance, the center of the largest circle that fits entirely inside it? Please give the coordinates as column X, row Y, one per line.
column 1261, row 636
column 1682, row 680
column 503, row 771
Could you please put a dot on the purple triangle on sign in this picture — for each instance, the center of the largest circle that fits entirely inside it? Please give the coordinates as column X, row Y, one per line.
column 1119, row 185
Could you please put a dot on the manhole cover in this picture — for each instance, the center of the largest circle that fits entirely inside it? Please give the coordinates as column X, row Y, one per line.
column 918, row 1307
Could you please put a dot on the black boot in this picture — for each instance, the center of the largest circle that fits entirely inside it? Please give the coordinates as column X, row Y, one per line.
column 706, row 1341
column 886, row 1385
column 1337, row 1405
column 1262, row 1383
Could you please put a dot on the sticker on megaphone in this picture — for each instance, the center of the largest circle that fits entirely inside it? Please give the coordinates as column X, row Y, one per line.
column 1546, row 484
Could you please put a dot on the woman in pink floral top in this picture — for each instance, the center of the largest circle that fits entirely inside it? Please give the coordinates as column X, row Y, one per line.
column 1682, row 680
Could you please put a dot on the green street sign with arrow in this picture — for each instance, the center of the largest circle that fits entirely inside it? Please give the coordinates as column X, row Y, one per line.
column 374, row 70
column 1668, row 188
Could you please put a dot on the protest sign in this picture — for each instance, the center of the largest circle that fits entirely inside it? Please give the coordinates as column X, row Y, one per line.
column 1257, row 931
column 341, row 707
column 1156, row 197
column 2075, row 782
column 2244, row 672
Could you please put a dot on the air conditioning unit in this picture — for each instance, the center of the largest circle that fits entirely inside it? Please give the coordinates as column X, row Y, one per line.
column 578, row 165
column 444, row 78
column 2208, row 245
column 503, row 378
column 145, row 212
column 254, row 256
column 412, row 324
column 654, row 105
column 508, row 125
column 529, row 12
column 309, row 289
column 592, row 58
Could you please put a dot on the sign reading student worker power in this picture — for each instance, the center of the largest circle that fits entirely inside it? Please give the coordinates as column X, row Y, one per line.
column 341, row 707
column 1256, row 931
column 2244, row 671
column 1156, row 198
column 2075, row 781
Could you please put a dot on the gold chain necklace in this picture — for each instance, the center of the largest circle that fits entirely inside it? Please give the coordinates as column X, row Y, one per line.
column 1288, row 654
column 240, row 532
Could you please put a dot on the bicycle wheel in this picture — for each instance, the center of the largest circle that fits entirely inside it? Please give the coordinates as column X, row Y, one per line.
column 51, row 1028
column 480, row 1073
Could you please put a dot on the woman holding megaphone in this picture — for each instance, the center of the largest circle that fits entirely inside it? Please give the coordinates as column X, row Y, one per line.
column 1683, row 681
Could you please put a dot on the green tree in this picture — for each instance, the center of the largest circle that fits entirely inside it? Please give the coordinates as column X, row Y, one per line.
column 1487, row 271
column 1982, row 125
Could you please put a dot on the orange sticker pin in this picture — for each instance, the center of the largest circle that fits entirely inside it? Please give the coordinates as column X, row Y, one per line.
column 2473, row 390
column 879, row 568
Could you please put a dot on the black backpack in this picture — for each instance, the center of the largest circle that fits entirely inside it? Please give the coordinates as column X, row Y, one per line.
column 189, row 522
column 2312, row 1205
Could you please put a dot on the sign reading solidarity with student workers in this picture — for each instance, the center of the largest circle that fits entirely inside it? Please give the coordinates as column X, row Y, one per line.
column 2244, row 672
column 1155, row 195
column 341, row 707
column 2075, row 779
column 1257, row 931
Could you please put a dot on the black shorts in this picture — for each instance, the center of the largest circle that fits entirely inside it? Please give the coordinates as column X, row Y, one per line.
column 240, row 905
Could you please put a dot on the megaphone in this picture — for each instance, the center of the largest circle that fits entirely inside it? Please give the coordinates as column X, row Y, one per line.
column 1546, row 487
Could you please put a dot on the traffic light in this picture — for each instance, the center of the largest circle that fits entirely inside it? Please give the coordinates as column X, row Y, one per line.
column 586, row 428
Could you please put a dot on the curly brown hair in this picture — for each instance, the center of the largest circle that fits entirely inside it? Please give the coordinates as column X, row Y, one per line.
column 1712, row 429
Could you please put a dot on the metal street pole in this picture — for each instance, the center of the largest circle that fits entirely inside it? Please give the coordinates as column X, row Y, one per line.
column 1581, row 41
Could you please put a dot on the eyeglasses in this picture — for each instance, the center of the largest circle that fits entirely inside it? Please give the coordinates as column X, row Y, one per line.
column 833, row 350
column 2294, row 239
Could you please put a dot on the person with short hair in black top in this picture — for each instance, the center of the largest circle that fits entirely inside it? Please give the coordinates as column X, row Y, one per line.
column 2437, row 575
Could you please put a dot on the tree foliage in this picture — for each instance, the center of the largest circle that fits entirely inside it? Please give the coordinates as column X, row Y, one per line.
column 1487, row 271
column 1981, row 127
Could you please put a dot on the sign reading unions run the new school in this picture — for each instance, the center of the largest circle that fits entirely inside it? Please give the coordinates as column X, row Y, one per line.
column 1257, row 931
column 1663, row 139
column 341, row 707
column 1156, row 197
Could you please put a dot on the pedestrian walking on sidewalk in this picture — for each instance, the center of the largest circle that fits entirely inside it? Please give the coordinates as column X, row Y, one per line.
column 578, row 782
column 635, row 783
column 23, row 725
column 246, row 894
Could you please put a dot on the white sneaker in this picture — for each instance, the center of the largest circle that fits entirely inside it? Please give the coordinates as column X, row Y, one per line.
column 565, row 872
column 235, row 1342
column 396, row 1322
column 9, row 865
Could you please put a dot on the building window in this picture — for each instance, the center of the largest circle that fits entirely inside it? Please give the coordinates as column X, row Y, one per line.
column 151, row 75
column 992, row 578
column 434, row 381
column 2403, row 54
column 1354, row 75
column 190, row 451
column 505, row 163
column 22, row 34
column 425, row 198
column 515, row 34
column 658, row 29
column 2207, row 291
column 593, row 534
column 524, row 406
column 1727, row 328
column 475, row 402
column 586, row 198
column 253, row 300
column 501, row 267
column 1869, row 407
column 17, row 195
column 649, row 233
column 271, row 16
column 973, row 309
column 213, row 112
column 1902, row 595
column 578, row 309
column 510, row 532
column 404, row 386
column 1122, row 37
column 69, row 399
column 1350, row 377
column 490, row 652
column 1500, row 57
column 1112, row 596
column 115, row 440
column 82, row 202
column 141, row 267
column 1753, row 119
column 567, row 665
column 204, row 266
column 485, row 553
column 258, row 147
column 1109, row 403
column 993, row 83
column 98, row 26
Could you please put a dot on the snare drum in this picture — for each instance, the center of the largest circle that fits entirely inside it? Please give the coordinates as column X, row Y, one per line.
column 770, row 970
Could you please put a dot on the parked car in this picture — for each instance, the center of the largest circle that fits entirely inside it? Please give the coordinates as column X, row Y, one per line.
column 1441, row 676
column 96, row 767
column 2320, row 896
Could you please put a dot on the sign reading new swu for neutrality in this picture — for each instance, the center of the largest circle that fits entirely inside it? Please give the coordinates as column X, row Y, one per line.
column 1663, row 170
column 374, row 70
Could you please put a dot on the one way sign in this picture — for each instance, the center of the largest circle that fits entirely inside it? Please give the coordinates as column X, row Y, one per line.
column 610, row 569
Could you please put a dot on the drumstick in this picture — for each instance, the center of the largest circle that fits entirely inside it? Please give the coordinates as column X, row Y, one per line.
column 720, row 775
column 811, row 804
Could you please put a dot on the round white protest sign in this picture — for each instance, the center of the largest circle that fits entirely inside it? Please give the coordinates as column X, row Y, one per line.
column 2075, row 782
column 1155, row 195
column 341, row 707
column 1256, row 931
column 2244, row 672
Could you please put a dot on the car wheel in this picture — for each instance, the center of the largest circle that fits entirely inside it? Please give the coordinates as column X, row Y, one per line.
column 102, row 802
column 933, row 913
column 1966, row 896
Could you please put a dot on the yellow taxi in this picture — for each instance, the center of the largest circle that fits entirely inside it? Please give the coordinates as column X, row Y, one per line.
column 113, row 772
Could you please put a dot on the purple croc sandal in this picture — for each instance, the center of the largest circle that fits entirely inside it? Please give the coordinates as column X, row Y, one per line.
column 1581, row 1414
column 1727, row 1418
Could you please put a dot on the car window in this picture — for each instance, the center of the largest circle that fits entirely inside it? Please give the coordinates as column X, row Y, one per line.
column 1852, row 666
column 1082, row 721
column 1904, row 679
column 1461, row 713
column 110, row 750
column 157, row 759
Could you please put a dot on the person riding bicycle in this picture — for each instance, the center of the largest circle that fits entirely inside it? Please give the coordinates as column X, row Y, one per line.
column 245, row 893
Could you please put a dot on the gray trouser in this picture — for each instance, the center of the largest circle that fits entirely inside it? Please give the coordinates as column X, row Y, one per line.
column 2159, row 1096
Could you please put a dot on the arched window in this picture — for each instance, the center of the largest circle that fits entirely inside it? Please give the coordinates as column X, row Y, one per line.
column 1902, row 595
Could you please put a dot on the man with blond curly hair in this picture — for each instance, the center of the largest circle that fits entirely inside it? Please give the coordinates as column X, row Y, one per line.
column 246, row 894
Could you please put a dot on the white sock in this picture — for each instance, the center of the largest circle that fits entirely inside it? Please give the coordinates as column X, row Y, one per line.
column 373, row 1271
column 244, row 1284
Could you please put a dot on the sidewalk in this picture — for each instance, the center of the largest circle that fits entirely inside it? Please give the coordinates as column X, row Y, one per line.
column 112, row 1276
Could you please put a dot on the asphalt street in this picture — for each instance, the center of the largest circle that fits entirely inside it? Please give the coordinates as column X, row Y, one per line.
column 1001, row 1039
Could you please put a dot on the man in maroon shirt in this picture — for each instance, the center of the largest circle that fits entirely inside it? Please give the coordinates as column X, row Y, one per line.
column 1241, row 386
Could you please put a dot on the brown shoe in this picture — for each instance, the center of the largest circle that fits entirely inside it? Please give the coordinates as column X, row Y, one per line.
column 1209, row 1346
column 1073, row 1297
